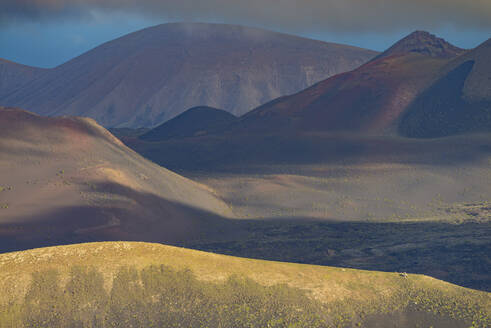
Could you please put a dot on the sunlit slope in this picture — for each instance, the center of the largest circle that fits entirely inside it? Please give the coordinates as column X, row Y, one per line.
column 344, row 294
column 68, row 179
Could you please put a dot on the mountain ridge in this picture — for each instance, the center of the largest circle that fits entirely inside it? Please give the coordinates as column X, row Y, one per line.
column 425, row 43
column 14, row 75
column 150, row 76
column 367, row 100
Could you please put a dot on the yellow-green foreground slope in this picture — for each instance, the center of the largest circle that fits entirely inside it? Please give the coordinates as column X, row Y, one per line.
column 138, row 284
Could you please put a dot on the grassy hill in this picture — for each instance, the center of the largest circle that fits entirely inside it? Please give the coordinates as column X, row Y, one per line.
column 137, row 284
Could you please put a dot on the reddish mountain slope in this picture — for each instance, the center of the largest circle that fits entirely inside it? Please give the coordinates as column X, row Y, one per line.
column 370, row 99
column 150, row 76
column 65, row 180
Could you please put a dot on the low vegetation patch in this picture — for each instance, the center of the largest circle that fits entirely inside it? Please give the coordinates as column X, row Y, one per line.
column 160, row 296
column 5, row 188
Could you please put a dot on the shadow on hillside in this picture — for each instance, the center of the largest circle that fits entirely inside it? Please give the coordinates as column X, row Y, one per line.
column 115, row 212
column 241, row 153
column 456, row 253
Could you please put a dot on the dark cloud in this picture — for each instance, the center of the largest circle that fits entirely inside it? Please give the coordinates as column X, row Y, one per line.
column 289, row 15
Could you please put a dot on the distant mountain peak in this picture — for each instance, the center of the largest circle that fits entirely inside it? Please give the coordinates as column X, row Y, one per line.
column 149, row 76
column 424, row 43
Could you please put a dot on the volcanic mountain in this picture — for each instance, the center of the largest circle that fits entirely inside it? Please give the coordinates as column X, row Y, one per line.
column 370, row 99
column 13, row 76
column 424, row 43
column 193, row 122
column 459, row 101
column 68, row 179
column 150, row 76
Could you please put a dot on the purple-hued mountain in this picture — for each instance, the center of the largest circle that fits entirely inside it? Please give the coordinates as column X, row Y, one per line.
column 152, row 75
column 424, row 43
column 13, row 76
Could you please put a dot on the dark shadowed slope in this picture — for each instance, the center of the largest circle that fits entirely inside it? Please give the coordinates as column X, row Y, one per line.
column 369, row 99
column 13, row 76
column 150, row 76
column 193, row 122
column 68, row 179
column 458, row 102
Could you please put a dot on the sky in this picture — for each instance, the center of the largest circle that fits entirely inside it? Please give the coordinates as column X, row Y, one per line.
column 46, row 33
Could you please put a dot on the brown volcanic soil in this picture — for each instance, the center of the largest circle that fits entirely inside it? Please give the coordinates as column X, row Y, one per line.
column 150, row 76
column 67, row 179
column 341, row 177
